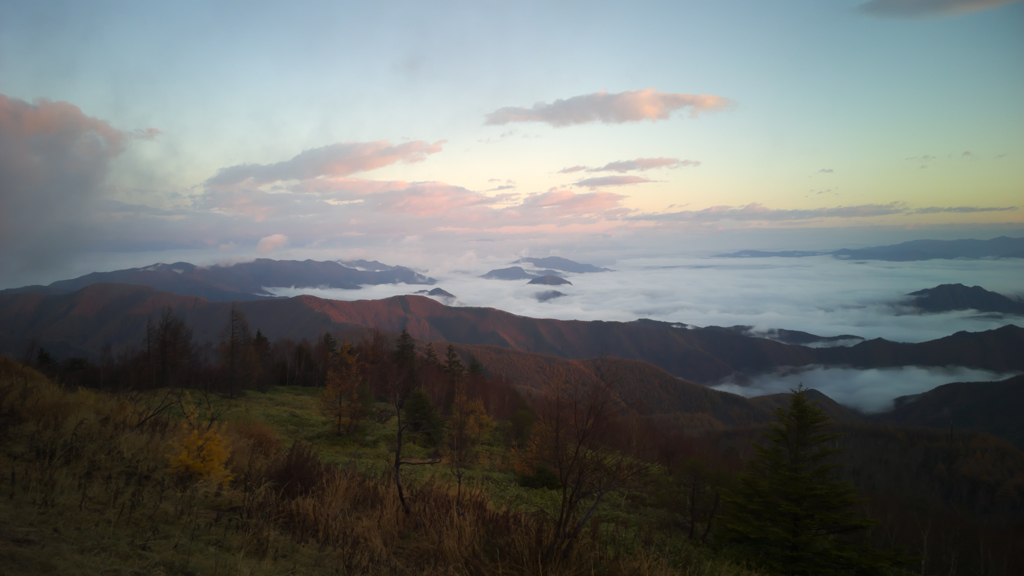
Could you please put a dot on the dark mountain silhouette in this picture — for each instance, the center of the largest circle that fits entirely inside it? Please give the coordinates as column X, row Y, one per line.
column 548, row 295
column 243, row 281
column 762, row 254
column 444, row 295
column 437, row 292
column 115, row 314
column 563, row 264
column 797, row 336
column 1001, row 247
column 835, row 410
column 371, row 265
column 550, row 280
column 947, row 297
column 516, row 273
column 993, row 407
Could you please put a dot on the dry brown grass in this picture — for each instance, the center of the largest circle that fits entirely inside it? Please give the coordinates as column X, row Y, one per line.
column 86, row 491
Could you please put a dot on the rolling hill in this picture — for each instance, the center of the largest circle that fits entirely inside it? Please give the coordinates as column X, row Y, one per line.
column 115, row 314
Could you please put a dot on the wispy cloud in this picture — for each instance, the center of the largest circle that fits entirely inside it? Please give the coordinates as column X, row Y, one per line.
column 927, row 8
column 604, row 181
column 342, row 159
column 572, row 169
column 619, row 108
column 826, row 171
column 641, row 164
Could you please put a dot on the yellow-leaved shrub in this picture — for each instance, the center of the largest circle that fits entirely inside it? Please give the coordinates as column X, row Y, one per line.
column 201, row 451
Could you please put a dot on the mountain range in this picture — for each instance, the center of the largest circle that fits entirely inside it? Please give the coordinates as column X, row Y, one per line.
column 657, row 368
column 241, row 281
column 950, row 297
column 85, row 320
column 1001, row 247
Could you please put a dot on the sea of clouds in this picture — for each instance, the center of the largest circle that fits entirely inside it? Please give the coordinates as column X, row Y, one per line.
column 820, row 295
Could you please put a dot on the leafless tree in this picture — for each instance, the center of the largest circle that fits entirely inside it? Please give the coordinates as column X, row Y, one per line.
column 575, row 421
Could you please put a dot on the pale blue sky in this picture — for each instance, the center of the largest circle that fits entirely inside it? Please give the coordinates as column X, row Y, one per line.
column 828, row 104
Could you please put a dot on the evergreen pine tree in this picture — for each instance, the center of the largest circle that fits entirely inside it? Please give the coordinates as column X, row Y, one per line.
column 405, row 350
column 431, row 356
column 452, row 364
column 790, row 511
column 475, row 367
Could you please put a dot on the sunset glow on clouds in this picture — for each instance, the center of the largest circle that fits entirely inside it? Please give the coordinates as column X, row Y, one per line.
column 631, row 106
column 679, row 120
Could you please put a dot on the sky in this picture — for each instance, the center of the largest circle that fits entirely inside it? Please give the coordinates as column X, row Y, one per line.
column 420, row 133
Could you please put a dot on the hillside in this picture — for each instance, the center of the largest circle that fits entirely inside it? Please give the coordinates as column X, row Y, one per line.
column 116, row 314
column 992, row 407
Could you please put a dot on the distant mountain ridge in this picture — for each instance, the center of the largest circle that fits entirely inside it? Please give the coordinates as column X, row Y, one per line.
column 517, row 273
column 949, row 297
column 550, row 280
column 993, row 407
column 563, row 264
column 241, row 281
column 1001, row 247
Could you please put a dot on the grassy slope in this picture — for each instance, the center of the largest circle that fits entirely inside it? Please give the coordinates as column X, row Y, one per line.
column 87, row 491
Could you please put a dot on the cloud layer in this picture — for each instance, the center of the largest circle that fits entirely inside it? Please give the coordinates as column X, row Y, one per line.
column 54, row 161
column 341, row 159
column 619, row 108
column 926, row 8
column 869, row 391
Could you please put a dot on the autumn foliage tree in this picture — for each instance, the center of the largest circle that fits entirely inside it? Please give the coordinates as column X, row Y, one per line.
column 200, row 451
column 467, row 427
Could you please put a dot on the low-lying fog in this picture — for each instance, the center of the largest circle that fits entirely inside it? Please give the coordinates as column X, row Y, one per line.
column 821, row 295
column 869, row 391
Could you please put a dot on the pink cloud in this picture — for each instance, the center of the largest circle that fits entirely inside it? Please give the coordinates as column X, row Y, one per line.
column 603, row 181
column 268, row 244
column 631, row 106
column 565, row 204
column 342, row 159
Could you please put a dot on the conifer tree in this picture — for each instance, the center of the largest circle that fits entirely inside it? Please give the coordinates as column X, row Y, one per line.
column 790, row 511
column 405, row 350
column 452, row 364
column 431, row 356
